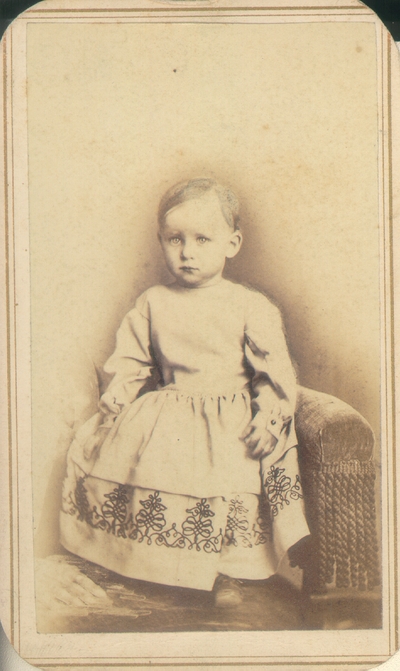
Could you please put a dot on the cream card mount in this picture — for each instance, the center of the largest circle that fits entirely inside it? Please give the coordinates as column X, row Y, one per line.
column 295, row 108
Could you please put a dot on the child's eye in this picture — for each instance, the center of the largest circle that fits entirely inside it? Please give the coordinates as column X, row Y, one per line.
column 175, row 241
column 201, row 240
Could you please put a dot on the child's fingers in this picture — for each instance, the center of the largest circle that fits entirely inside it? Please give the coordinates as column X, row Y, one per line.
column 268, row 446
column 250, row 428
column 253, row 441
column 108, row 403
column 262, row 452
column 259, row 450
column 252, row 447
column 265, row 445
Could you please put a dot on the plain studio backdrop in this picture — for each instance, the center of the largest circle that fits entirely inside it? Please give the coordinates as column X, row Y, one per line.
column 284, row 114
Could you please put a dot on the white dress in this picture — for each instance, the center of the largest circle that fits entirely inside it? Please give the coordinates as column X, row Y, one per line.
column 172, row 495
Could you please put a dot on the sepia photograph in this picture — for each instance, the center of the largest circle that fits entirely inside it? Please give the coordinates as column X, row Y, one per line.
column 199, row 224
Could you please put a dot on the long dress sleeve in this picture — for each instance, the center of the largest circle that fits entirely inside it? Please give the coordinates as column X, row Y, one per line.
column 273, row 382
column 274, row 394
column 132, row 363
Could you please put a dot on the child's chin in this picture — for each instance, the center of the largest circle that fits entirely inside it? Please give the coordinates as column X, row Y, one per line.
column 189, row 279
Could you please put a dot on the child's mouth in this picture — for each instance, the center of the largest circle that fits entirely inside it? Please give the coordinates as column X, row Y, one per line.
column 188, row 269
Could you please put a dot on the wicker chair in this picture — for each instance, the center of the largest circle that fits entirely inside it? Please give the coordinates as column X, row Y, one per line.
column 341, row 560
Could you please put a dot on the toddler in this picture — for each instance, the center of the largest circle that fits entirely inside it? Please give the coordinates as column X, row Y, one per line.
column 188, row 473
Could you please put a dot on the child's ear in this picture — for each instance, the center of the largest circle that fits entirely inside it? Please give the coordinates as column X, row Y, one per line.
column 234, row 244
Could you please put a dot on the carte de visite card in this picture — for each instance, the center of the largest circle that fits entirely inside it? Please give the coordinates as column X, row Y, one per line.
column 199, row 361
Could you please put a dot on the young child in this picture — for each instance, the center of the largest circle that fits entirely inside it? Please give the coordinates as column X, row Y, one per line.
column 194, row 445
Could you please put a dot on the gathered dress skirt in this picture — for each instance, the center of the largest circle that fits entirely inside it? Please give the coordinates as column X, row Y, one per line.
column 171, row 495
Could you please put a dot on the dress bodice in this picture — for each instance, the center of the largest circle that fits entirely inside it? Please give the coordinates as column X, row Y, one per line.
column 216, row 339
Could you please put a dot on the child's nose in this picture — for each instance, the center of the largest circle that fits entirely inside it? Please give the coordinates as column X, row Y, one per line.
column 187, row 250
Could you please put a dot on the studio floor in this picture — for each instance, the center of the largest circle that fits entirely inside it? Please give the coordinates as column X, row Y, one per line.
column 137, row 606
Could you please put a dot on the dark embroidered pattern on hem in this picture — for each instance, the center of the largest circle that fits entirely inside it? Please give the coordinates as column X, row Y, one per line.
column 279, row 489
column 150, row 525
column 237, row 526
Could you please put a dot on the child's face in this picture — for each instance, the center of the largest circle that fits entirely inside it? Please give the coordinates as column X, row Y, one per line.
column 196, row 241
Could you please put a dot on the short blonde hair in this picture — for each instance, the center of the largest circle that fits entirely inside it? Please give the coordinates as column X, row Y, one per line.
column 196, row 188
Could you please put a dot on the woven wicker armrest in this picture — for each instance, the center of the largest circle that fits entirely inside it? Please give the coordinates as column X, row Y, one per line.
column 338, row 474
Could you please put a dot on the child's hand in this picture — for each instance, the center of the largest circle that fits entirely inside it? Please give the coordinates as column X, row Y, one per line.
column 108, row 404
column 110, row 409
column 257, row 437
